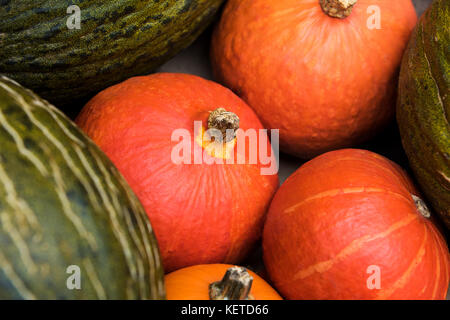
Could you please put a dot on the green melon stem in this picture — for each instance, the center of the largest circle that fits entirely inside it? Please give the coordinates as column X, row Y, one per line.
column 235, row 285
column 340, row 9
column 224, row 121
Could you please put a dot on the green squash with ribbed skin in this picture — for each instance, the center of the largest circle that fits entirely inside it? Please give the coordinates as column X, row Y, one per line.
column 63, row 203
column 116, row 40
column 423, row 109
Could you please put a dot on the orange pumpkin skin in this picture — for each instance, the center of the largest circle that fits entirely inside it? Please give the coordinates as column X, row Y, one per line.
column 192, row 283
column 343, row 212
column 326, row 83
column 201, row 213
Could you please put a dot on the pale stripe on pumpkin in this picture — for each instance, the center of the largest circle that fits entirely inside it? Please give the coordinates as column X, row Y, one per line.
column 403, row 280
column 353, row 247
column 437, row 247
column 337, row 192
column 442, row 247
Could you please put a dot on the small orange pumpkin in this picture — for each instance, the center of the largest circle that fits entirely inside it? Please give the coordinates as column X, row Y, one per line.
column 208, row 212
column 349, row 224
column 322, row 71
column 203, row 282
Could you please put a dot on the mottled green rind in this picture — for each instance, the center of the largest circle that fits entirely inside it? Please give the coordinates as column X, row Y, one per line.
column 117, row 40
column 62, row 203
column 423, row 109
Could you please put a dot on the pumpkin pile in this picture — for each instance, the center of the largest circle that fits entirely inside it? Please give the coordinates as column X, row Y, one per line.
column 165, row 184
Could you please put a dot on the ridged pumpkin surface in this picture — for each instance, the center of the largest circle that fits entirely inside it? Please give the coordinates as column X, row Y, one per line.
column 423, row 110
column 116, row 40
column 201, row 213
column 192, row 283
column 341, row 216
column 63, row 203
column 325, row 82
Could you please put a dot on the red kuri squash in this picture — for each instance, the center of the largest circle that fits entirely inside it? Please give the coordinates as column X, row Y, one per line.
column 324, row 72
column 202, row 211
column 217, row 282
column 349, row 224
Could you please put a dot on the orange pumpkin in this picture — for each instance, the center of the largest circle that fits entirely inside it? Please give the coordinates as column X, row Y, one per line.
column 322, row 71
column 203, row 210
column 349, row 224
column 217, row 282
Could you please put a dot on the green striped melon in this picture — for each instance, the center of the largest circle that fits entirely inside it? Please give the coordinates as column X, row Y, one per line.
column 64, row 204
column 423, row 109
column 117, row 39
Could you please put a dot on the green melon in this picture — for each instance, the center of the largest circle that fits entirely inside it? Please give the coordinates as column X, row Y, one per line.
column 116, row 40
column 63, row 204
column 423, row 110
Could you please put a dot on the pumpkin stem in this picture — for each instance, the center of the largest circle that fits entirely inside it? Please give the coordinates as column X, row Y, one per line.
column 337, row 8
column 235, row 285
column 421, row 206
column 223, row 120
